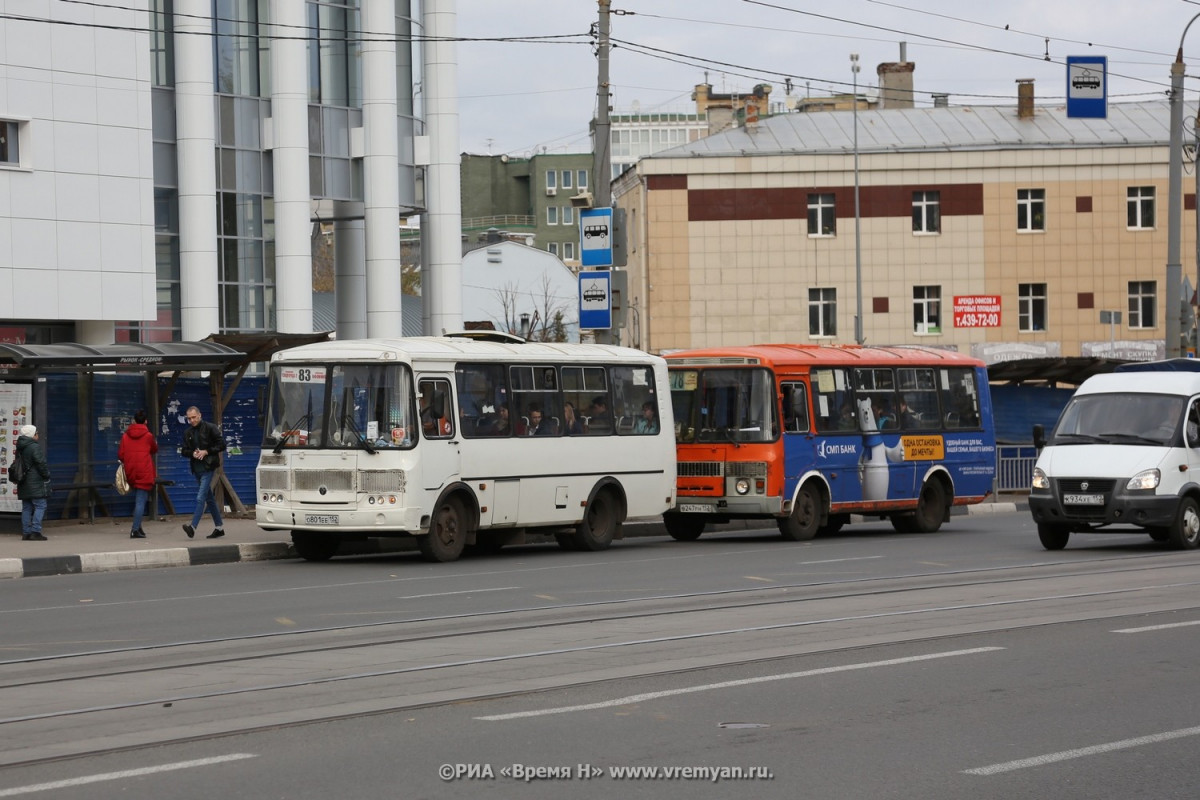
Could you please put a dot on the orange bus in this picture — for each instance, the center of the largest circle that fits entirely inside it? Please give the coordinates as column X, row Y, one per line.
column 810, row 434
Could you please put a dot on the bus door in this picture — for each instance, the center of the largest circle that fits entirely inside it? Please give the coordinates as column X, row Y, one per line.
column 439, row 452
column 837, row 447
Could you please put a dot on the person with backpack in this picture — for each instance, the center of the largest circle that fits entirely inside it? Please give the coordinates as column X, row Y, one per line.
column 34, row 486
column 136, row 453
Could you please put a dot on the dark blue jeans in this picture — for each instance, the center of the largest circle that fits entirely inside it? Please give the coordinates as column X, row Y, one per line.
column 205, row 499
column 32, row 512
column 139, row 508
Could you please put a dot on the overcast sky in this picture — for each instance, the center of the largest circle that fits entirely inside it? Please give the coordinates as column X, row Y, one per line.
column 521, row 97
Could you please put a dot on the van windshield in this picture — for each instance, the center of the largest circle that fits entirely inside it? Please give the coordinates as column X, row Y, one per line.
column 1146, row 419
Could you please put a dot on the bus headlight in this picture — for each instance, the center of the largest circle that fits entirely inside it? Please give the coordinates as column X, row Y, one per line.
column 1146, row 480
column 742, row 486
column 1040, row 481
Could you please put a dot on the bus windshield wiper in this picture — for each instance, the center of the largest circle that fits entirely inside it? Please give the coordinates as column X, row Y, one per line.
column 731, row 435
column 368, row 445
column 287, row 430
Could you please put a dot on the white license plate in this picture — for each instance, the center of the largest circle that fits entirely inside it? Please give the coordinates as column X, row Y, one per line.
column 320, row 519
column 695, row 508
column 1083, row 499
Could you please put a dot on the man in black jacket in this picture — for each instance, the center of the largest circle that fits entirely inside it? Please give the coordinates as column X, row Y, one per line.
column 35, row 488
column 202, row 442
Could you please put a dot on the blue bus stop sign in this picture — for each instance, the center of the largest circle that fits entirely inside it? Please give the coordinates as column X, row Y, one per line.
column 596, row 237
column 595, row 301
column 1087, row 87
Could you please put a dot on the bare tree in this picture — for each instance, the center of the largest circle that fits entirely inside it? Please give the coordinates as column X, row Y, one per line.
column 544, row 311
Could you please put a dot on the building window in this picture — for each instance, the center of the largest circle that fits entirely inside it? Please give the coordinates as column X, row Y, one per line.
column 566, row 179
column 927, row 212
column 581, row 179
column 1031, row 210
column 927, row 309
column 568, row 215
column 568, row 251
column 552, row 248
column 1142, row 301
column 1139, row 206
column 822, row 312
column 551, row 179
column 551, row 215
column 821, row 219
column 1031, row 307
column 10, row 142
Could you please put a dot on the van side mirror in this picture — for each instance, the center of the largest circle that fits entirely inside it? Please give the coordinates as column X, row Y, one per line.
column 1039, row 437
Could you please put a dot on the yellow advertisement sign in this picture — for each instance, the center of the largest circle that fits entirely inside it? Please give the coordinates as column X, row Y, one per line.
column 923, row 448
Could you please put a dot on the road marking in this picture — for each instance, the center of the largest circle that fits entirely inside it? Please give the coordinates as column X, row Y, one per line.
column 1158, row 627
column 640, row 698
column 127, row 773
column 1065, row 755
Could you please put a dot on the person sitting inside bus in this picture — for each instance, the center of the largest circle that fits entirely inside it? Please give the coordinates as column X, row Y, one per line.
column 648, row 422
column 907, row 418
column 572, row 425
column 539, row 425
column 599, row 420
column 883, row 414
column 847, row 420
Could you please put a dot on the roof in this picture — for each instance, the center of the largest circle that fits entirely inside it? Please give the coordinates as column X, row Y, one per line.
column 944, row 128
column 819, row 355
column 124, row 356
column 458, row 347
column 1073, row 370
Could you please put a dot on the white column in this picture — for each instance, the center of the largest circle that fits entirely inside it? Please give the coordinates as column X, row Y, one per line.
column 443, row 239
column 289, row 132
column 381, row 177
column 196, row 163
column 350, row 279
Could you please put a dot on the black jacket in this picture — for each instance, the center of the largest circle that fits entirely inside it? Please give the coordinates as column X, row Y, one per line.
column 37, row 472
column 205, row 436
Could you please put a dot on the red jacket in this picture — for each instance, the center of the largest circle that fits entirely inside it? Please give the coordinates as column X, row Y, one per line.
column 136, row 452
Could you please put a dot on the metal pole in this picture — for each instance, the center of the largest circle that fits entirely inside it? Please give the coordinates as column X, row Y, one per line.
column 858, row 311
column 1175, row 201
column 601, row 140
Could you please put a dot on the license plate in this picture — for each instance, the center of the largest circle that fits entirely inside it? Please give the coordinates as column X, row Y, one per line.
column 1084, row 499
column 695, row 508
column 320, row 519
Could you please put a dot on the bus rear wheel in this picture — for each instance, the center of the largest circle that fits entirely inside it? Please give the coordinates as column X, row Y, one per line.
column 314, row 546
column 601, row 521
column 683, row 528
column 801, row 525
column 447, row 533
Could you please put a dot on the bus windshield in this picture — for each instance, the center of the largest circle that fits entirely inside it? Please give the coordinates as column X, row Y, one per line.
column 724, row 405
column 346, row 406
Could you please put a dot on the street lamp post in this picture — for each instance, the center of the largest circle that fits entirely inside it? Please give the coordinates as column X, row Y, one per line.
column 1174, row 201
column 858, row 309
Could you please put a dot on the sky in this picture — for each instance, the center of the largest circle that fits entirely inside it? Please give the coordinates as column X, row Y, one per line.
column 537, row 91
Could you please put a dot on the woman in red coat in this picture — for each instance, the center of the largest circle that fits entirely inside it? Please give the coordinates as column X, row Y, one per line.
column 136, row 452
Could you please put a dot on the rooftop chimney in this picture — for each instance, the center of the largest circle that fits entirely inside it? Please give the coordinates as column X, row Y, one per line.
column 1024, row 98
column 896, row 81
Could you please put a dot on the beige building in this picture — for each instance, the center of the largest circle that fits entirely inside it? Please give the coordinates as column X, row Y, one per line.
column 982, row 229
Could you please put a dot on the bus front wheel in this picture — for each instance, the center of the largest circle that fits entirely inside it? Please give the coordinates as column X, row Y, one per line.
column 447, row 533
column 314, row 546
column 932, row 507
column 683, row 528
column 801, row 525
column 600, row 523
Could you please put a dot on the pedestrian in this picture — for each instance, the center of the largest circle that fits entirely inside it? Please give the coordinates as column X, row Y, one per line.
column 202, row 444
column 136, row 453
column 35, row 488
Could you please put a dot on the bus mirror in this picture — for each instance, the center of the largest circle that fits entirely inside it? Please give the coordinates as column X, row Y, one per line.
column 1039, row 437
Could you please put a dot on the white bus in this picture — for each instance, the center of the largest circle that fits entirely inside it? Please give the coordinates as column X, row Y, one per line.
column 468, row 439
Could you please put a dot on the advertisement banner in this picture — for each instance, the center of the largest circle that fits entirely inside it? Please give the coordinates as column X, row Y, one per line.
column 16, row 401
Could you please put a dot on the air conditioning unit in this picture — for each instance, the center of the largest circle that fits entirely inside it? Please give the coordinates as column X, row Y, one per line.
column 551, row 191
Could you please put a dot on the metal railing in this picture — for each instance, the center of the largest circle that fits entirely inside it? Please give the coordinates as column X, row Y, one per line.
column 1014, row 467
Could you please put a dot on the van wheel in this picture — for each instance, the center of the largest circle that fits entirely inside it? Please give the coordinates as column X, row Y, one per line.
column 683, row 528
column 314, row 546
column 931, row 507
column 447, row 533
column 1054, row 537
column 1185, row 533
column 801, row 525
column 601, row 520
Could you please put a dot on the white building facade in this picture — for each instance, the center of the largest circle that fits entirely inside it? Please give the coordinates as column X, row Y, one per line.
column 163, row 163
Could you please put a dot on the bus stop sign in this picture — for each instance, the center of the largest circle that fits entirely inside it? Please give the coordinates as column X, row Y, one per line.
column 596, row 237
column 1087, row 87
column 595, row 301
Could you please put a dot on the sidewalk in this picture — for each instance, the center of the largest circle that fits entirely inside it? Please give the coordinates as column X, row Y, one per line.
column 75, row 547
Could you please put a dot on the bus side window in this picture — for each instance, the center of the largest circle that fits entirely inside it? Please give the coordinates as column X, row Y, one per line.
column 795, row 408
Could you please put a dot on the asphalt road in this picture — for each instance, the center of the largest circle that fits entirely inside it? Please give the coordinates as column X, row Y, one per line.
column 970, row 662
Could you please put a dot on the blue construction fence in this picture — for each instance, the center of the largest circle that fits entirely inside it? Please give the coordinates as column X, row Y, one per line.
column 115, row 399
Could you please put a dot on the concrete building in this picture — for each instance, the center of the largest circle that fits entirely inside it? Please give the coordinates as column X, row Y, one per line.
column 994, row 230
column 162, row 169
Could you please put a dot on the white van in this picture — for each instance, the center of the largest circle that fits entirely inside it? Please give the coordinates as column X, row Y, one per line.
column 1125, row 452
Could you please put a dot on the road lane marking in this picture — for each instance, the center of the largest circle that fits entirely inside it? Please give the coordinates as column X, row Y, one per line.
column 127, row 773
column 1051, row 758
column 1157, row 627
column 640, row 698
